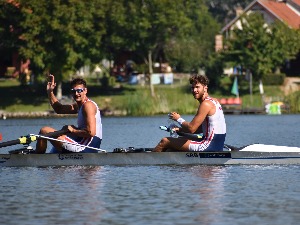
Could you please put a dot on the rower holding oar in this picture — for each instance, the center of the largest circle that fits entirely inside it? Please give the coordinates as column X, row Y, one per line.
column 208, row 120
column 87, row 135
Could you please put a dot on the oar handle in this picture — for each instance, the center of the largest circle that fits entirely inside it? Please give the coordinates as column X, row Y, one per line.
column 196, row 137
column 32, row 137
column 193, row 137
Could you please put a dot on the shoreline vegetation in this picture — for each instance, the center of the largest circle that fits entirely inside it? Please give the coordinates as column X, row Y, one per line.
column 136, row 100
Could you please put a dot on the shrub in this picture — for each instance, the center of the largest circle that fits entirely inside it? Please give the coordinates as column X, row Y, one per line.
column 273, row 79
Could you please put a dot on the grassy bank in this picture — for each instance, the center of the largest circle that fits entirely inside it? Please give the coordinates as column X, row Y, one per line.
column 135, row 100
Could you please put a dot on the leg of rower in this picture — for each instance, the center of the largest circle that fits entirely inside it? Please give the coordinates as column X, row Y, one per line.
column 166, row 143
column 41, row 144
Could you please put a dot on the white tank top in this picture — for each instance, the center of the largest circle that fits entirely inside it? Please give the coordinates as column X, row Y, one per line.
column 82, row 124
column 214, row 124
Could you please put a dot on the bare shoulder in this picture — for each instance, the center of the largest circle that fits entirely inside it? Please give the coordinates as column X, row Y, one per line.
column 215, row 99
column 207, row 103
column 209, row 107
column 204, row 108
column 89, row 106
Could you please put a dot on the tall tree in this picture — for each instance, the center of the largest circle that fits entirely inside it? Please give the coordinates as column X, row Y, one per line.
column 9, row 24
column 62, row 35
column 10, row 29
column 259, row 47
column 180, row 32
column 191, row 49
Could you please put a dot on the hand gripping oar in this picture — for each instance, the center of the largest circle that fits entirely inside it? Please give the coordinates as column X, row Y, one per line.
column 32, row 137
column 196, row 137
column 193, row 137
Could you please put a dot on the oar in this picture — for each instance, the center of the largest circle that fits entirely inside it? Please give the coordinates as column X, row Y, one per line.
column 194, row 137
column 30, row 138
column 62, row 141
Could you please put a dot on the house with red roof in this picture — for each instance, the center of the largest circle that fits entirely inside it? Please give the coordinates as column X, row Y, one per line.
column 287, row 11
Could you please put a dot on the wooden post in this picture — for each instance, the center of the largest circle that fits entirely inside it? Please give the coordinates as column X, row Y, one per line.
column 150, row 73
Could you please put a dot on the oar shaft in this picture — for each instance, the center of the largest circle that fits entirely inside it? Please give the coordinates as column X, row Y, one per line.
column 76, row 144
column 32, row 137
column 54, row 134
column 193, row 137
column 9, row 143
column 190, row 136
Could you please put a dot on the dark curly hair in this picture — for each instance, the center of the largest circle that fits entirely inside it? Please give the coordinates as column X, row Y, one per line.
column 78, row 81
column 197, row 78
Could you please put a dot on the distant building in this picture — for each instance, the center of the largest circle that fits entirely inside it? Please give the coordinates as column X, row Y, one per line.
column 287, row 11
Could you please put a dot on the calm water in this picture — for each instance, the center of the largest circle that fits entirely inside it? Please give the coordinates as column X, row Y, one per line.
column 155, row 194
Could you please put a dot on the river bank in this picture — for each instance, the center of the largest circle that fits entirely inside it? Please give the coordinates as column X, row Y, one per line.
column 51, row 114
column 108, row 113
column 137, row 100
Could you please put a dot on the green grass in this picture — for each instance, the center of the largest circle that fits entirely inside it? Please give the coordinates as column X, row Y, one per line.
column 22, row 98
column 294, row 102
column 135, row 99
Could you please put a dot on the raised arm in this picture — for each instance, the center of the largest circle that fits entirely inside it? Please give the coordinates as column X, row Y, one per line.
column 55, row 104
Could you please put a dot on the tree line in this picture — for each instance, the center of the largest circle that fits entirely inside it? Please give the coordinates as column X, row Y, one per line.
column 61, row 36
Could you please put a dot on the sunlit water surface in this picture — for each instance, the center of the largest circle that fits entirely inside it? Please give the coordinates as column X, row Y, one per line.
column 155, row 194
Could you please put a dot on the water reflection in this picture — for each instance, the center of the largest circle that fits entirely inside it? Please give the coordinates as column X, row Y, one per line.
column 86, row 185
column 209, row 186
column 62, row 195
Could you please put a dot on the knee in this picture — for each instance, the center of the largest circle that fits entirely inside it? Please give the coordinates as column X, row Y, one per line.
column 45, row 130
column 164, row 141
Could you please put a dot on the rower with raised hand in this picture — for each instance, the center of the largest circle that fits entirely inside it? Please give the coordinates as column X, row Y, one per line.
column 86, row 136
column 208, row 120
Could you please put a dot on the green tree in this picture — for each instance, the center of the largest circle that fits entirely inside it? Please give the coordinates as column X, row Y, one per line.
column 192, row 48
column 167, row 29
column 10, row 32
column 61, row 35
column 260, row 48
column 10, row 29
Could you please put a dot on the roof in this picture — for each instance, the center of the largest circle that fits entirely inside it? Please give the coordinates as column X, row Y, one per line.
column 283, row 12
column 286, row 11
column 296, row 2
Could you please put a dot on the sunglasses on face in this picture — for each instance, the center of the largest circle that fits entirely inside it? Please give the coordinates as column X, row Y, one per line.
column 78, row 90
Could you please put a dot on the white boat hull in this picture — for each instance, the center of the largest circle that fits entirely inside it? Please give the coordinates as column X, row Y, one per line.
column 246, row 156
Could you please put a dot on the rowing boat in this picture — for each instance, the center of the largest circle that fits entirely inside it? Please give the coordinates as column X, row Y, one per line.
column 251, row 154
column 256, row 154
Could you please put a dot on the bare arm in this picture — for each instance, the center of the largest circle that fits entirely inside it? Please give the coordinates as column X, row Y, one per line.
column 206, row 108
column 55, row 104
column 198, row 119
column 89, row 112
